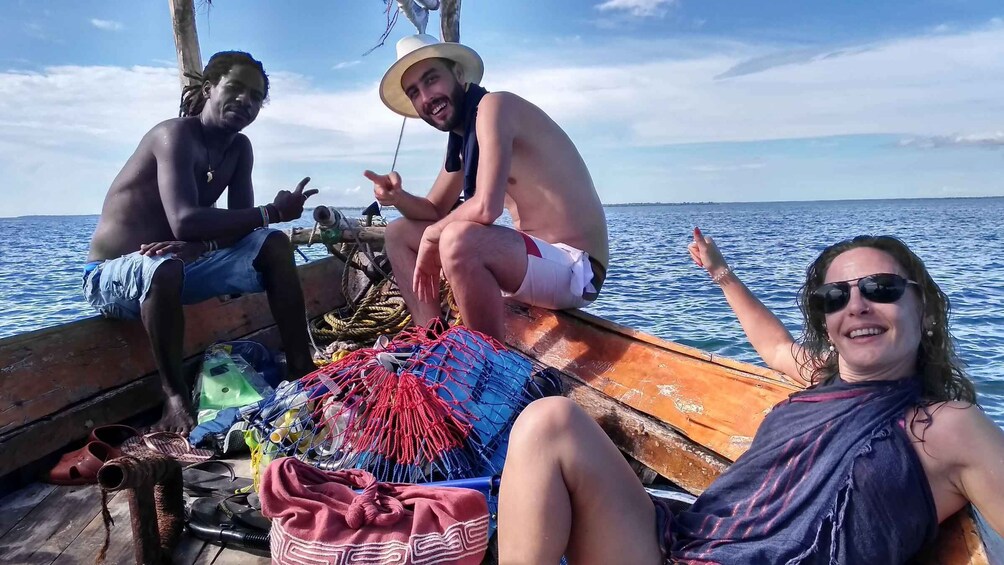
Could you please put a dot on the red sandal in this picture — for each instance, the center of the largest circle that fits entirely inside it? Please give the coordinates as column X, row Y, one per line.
column 114, row 435
column 80, row 467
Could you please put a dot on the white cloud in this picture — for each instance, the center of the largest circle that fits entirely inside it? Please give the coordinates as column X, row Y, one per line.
column 926, row 86
column 106, row 25
column 66, row 119
column 637, row 8
column 346, row 64
column 612, row 98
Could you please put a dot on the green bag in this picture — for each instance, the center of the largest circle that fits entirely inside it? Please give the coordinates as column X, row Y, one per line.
column 225, row 382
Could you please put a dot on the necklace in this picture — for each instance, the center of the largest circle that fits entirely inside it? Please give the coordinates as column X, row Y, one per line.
column 209, row 160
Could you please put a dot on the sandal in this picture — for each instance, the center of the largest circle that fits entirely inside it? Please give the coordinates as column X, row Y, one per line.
column 208, row 521
column 170, row 444
column 80, row 467
column 204, row 479
column 114, row 435
column 241, row 510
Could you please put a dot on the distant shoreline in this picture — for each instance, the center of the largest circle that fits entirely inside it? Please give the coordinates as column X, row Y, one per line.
column 625, row 205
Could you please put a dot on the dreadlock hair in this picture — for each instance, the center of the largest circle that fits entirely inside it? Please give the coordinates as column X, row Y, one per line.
column 193, row 97
column 939, row 369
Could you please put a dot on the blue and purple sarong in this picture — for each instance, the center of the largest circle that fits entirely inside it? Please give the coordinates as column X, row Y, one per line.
column 831, row 477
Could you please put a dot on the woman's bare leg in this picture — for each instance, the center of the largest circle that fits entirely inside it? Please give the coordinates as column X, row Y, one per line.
column 566, row 489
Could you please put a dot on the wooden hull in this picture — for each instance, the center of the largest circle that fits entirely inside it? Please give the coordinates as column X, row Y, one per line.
column 681, row 411
column 58, row 383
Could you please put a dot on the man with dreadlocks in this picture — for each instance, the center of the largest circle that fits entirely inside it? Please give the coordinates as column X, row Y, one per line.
column 160, row 242
column 503, row 152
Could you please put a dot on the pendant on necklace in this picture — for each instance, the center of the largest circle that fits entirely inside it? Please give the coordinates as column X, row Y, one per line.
column 209, row 175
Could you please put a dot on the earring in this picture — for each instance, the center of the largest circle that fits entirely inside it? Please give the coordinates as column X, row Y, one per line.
column 930, row 329
column 833, row 348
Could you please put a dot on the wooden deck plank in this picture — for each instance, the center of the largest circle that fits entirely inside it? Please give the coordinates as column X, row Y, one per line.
column 49, row 528
column 85, row 547
column 188, row 550
column 229, row 556
column 16, row 505
column 48, row 370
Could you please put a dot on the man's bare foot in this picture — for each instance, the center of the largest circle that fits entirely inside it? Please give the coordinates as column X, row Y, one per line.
column 177, row 417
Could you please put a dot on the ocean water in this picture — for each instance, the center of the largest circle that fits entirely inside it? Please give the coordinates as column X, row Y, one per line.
column 652, row 285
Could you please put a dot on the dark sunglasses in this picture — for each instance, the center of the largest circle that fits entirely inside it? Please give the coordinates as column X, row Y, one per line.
column 882, row 288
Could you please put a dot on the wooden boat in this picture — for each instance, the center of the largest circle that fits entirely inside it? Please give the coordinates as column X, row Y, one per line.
column 682, row 412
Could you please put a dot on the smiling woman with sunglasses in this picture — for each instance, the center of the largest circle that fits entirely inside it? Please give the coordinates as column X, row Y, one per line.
column 884, row 444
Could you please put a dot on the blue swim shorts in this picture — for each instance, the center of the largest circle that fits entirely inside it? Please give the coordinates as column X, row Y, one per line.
column 117, row 287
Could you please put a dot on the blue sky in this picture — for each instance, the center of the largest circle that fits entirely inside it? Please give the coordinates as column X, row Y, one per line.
column 668, row 100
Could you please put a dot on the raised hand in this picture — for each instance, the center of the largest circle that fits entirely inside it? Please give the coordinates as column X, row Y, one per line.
column 187, row 251
column 704, row 251
column 386, row 188
column 289, row 205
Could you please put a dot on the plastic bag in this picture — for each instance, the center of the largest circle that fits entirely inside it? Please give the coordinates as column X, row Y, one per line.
column 226, row 381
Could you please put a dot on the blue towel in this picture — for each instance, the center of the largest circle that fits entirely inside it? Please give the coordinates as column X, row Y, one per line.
column 463, row 150
column 224, row 420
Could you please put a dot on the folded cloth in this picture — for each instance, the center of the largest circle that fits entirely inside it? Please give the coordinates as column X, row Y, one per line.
column 319, row 518
column 223, row 421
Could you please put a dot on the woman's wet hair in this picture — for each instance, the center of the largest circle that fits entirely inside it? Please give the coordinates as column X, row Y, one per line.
column 193, row 97
column 940, row 370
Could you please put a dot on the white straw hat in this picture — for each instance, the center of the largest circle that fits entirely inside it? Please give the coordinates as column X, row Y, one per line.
column 415, row 48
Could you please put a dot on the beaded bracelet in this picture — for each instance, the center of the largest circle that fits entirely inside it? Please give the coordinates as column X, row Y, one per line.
column 717, row 279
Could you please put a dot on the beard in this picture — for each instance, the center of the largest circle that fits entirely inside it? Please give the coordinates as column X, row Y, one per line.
column 456, row 98
column 233, row 119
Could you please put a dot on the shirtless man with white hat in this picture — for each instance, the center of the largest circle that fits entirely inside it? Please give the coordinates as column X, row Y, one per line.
column 503, row 152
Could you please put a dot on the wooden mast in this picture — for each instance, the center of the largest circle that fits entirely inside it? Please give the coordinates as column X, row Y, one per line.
column 186, row 39
column 449, row 14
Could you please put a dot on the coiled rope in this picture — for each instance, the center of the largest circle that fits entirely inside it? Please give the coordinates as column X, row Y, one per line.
column 380, row 311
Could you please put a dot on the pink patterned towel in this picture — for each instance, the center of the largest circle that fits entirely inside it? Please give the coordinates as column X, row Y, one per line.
column 319, row 519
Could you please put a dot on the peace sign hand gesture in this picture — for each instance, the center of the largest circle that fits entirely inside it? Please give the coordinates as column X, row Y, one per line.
column 290, row 204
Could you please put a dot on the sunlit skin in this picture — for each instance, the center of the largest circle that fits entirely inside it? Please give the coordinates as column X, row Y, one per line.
column 527, row 165
column 134, row 211
column 161, row 202
column 568, row 491
column 234, row 102
column 961, row 451
column 892, row 353
column 437, row 93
